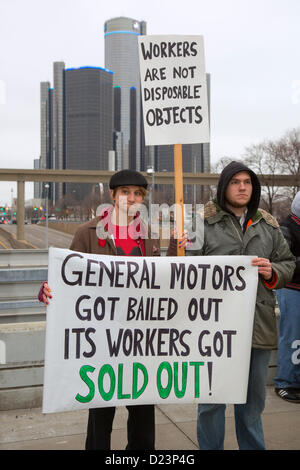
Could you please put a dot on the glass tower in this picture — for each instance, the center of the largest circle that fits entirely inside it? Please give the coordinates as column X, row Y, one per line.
column 88, row 122
column 121, row 56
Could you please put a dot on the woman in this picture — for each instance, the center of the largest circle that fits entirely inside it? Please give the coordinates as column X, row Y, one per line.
column 119, row 230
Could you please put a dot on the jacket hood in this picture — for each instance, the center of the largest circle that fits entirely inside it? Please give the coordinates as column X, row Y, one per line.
column 295, row 207
column 228, row 172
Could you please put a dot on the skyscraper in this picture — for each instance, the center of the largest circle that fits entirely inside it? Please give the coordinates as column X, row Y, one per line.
column 58, row 136
column 88, row 122
column 121, row 56
column 76, row 124
column 46, row 135
column 44, row 120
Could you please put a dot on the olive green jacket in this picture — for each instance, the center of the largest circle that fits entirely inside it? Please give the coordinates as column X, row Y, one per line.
column 223, row 235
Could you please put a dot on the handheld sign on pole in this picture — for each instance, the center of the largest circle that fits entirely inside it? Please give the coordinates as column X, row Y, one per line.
column 174, row 96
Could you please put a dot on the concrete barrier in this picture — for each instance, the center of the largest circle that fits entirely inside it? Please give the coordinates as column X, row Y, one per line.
column 21, row 365
column 22, row 328
column 13, row 242
column 21, row 275
column 66, row 227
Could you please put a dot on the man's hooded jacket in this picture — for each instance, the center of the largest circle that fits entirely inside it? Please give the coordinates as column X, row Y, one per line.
column 260, row 236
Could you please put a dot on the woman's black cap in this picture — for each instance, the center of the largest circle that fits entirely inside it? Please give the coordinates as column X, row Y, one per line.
column 127, row 178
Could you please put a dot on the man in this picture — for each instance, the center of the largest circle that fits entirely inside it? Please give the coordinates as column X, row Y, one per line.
column 118, row 231
column 233, row 225
column 287, row 380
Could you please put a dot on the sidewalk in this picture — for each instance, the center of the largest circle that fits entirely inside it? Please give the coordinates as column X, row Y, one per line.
column 175, row 428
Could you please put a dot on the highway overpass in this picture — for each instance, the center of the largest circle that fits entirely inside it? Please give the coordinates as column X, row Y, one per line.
column 91, row 176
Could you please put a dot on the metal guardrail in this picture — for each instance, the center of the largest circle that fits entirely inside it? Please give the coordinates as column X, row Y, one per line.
column 94, row 176
column 23, row 258
column 22, row 327
column 21, row 275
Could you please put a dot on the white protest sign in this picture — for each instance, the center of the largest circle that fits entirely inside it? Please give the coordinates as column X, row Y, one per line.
column 134, row 330
column 174, row 91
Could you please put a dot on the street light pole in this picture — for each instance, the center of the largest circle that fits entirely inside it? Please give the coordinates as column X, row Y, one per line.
column 11, row 207
column 47, row 195
column 151, row 172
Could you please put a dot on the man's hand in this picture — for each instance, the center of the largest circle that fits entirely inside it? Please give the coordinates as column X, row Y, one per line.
column 264, row 267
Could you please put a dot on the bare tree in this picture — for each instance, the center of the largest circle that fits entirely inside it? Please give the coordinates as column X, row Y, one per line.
column 262, row 158
column 272, row 157
column 65, row 205
column 281, row 156
column 288, row 155
column 221, row 163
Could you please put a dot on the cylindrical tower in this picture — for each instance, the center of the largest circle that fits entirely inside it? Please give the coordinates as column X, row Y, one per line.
column 121, row 56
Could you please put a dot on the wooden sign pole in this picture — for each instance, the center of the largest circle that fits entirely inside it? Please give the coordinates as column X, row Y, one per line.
column 179, row 196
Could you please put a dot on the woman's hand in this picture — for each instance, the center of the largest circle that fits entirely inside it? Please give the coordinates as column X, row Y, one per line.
column 45, row 294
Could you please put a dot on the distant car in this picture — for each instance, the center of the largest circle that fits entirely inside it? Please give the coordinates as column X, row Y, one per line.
column 52, row 218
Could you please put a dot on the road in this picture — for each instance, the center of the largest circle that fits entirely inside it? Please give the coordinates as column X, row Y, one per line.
column 4, row 245
column 36, row 236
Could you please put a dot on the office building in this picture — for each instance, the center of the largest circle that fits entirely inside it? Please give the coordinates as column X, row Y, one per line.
column 76, row 124
column 52, row 122
column 44, row 120
column 121, row 56
column 52, row 128
column 58, row 123
column 46, row 135
column 37, row 185
column 88, row 122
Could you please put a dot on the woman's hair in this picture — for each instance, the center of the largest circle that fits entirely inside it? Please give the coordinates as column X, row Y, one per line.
column 143, row 191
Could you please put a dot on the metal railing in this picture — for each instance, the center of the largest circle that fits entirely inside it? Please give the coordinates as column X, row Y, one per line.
column 21, row 275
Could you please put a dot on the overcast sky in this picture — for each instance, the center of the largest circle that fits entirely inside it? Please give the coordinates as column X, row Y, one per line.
column 252, row 51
